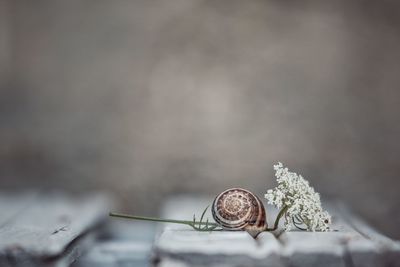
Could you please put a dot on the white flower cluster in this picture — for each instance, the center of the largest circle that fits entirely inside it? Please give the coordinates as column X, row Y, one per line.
column 302, row 202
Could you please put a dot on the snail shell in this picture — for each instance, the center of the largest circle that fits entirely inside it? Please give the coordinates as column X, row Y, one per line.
column 239, row 209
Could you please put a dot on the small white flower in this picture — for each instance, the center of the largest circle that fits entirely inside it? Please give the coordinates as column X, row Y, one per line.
column 303, row 204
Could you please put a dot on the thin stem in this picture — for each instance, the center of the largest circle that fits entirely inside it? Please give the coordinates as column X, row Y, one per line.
column 278, row 217
column 152, row 219
column 296, row 224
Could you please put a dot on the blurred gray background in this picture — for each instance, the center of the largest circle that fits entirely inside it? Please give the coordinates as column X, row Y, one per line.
column 147, row 99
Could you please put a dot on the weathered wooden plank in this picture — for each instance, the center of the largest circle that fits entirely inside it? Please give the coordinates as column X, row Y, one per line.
column 116, row 254
column 379, row 251
column 319, row 248
column 43, row 232
column 179, row 243
column 312, row 249
column 126, row 243
column 345, row 246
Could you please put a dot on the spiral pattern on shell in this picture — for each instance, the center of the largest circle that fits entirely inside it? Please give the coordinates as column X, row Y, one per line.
column 239, row 209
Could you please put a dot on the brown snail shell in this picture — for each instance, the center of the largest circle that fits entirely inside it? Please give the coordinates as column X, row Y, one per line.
column 239, row 209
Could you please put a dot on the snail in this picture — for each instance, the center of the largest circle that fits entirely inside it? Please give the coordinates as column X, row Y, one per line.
column 233, row 209
column 239, row 209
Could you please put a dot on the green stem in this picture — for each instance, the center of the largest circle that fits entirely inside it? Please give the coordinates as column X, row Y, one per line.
column 278, row 217
column 192, row 223
column 152, row 219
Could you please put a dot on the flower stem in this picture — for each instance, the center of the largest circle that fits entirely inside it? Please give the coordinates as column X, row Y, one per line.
column 278, row 217
column 152, row 219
